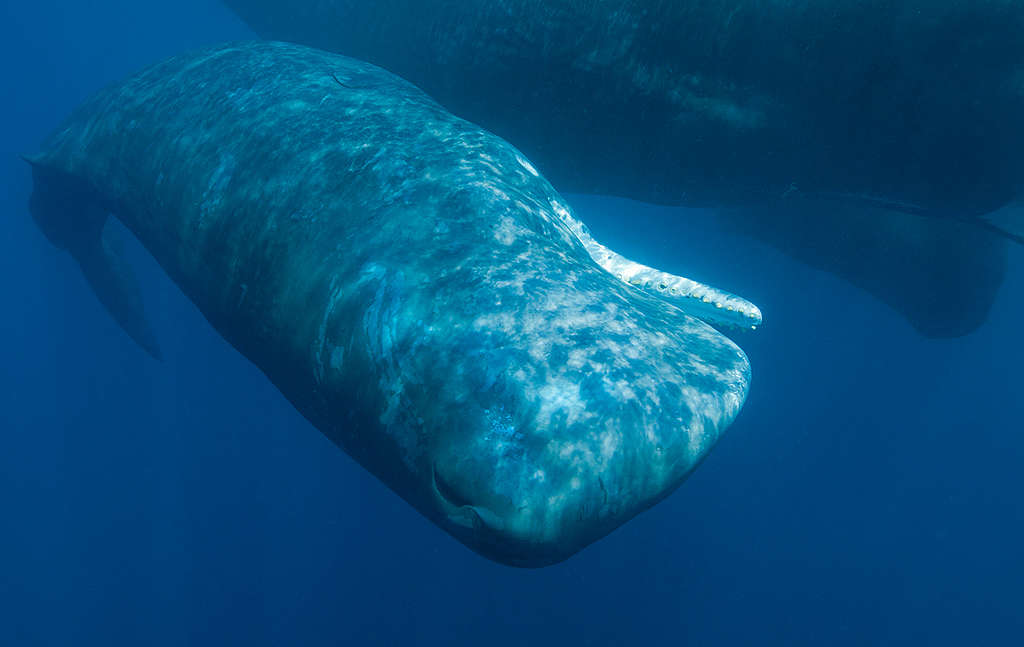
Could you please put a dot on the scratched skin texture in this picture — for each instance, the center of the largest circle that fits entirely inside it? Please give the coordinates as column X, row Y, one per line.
column 404, row 279
column 912, row 105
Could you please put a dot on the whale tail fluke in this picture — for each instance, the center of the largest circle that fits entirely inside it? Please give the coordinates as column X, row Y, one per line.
column 70, row 217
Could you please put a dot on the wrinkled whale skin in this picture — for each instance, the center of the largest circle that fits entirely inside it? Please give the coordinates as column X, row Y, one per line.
column 405, row 280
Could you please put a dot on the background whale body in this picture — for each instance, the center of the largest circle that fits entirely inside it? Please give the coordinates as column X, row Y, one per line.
column 901, row 107
column 405, row 280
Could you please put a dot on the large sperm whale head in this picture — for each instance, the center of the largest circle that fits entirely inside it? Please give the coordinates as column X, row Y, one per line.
column 559, row 443
column 572, row 399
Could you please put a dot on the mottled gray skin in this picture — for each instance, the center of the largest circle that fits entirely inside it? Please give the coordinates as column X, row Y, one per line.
column 404, row 280
column 803, row 107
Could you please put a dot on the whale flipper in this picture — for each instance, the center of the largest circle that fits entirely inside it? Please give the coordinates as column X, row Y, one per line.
column 1007, row 220
column 941, row 274
column 73, row 220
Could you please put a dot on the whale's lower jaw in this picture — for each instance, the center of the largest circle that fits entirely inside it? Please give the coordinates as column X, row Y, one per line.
column 543, row 526
column 494, row 537
column 488, row 534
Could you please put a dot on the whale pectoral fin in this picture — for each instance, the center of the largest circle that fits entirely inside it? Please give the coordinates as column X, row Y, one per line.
column 941, row 274
column 1007, row 221
column 116, row 286
column 71, row 218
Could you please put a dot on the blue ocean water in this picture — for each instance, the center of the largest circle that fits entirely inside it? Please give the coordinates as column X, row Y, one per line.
column 868, row 493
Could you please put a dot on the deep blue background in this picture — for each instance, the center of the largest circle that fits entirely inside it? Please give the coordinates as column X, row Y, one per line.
column 868, row 494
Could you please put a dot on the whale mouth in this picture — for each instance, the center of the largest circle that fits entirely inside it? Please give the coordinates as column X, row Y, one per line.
column 457, row 508
column 447, row 493
column 488, row 532
column 491, row 534
column 462, row 511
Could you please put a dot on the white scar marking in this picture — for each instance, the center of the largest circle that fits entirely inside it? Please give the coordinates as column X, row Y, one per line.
column 526, row 165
